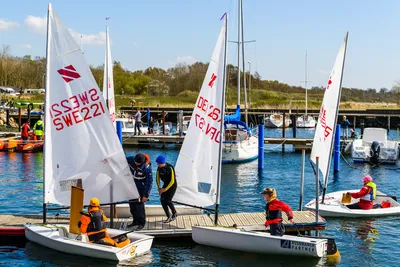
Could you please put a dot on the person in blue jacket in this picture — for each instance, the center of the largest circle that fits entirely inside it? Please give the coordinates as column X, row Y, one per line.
column 345, row 127
column 141, row 169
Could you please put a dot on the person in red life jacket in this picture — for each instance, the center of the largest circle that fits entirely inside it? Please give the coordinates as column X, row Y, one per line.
column 366, row 195
column 273, row 210
column 92, row 224
column 25, row 130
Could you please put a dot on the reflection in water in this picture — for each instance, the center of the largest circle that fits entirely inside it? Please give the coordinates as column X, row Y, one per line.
column 42, row 256
column 363, row 233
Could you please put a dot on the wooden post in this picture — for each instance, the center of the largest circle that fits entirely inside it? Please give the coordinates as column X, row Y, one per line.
column 19, row 119
column 388, row 123
column 303, row 161
column 294, row 120
column 8, row 117
column 354, row 123
column 283, row 131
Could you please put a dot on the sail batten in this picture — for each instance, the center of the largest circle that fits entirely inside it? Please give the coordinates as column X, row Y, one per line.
column 199, row 160
column 81, row 146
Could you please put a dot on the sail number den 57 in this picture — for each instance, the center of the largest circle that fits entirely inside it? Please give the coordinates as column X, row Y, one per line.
column 210, row 115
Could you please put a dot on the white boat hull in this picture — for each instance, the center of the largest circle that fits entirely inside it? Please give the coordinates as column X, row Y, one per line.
column 54, row 238
column 123, row 210
column 259, row 242
column 333, row 207
column 305, row 122
column 240, row 151
column 276, row 121
column 389, row 150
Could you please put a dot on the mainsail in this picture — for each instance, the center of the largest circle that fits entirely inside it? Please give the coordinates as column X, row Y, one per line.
column 199, row 160
column 81, row 146
column 326, row 126
column 108, row 81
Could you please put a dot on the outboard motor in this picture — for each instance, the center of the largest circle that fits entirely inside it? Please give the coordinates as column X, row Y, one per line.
column 374, row 152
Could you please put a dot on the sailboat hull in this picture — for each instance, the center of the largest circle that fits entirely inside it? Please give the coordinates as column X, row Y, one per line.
column 240, row 151
column 259, row 242
column 333, row 206
column 305, row 121
column 54, row 237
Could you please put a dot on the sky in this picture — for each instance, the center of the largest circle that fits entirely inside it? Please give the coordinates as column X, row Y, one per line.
column 160, row 33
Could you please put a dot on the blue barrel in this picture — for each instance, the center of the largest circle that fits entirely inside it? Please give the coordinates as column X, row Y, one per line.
column 119, row 130
column 336, row 153
column 261, row 146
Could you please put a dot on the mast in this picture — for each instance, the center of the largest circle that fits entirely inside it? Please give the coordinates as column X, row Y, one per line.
column 222, row 122
column 244, row 69
column 238, row 58
column 46, row 101
column 305, row 83
column 336, row 115
column 106, row 70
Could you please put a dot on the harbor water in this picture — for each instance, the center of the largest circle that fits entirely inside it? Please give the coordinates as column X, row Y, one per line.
column 366, row 242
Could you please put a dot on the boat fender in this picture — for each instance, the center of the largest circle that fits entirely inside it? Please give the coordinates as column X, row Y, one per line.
column 333, row 254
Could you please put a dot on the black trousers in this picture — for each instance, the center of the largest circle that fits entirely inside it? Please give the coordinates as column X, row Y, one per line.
column 166, row 200
column 277, row 229
column 137, row 126
column 354, row 206
column 138, row 212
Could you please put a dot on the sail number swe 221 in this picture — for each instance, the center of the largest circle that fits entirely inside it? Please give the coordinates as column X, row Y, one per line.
column 76, row 109
column 207, row 118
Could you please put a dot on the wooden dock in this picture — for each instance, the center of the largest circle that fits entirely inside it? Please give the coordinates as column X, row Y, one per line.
column 298, row 143
column 182, row 226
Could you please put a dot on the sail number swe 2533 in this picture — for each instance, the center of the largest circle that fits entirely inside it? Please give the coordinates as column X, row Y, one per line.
column 211, row 114
column 76, row 109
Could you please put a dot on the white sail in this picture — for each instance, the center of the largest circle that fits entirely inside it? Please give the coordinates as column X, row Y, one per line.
column 108, row 81
column 326, row 126
column 80, row 140
column 199, row 160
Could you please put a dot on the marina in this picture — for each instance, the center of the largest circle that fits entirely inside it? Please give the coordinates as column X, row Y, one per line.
column 218, row 182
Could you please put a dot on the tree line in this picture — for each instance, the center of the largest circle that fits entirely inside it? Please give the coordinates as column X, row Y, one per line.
column 29, row 73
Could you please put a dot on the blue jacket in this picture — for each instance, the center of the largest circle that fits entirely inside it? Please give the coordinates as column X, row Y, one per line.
column 143, row 177
column 345, row 124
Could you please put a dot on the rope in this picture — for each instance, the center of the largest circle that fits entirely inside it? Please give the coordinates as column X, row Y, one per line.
column 345, row 160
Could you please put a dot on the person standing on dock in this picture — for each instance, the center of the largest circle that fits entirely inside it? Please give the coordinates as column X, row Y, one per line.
column 141, row 169
column 345, row 127
column 366, row 195
column 38, row 129
column 151, row 126
column 25, row 130
column 166, row 174
column 273, row 210
column 138, row 118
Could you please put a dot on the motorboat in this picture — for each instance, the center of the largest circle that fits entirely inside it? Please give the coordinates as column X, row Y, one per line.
column 375, row 148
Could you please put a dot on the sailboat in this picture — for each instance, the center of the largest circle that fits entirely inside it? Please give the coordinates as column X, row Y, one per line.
column 240, row 144
column 81, row 150
column 306, row 121
column 275, row 120
column 331, row 205
column 198, row 170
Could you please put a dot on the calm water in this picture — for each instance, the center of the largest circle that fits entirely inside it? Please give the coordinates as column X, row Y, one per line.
column 371, row 242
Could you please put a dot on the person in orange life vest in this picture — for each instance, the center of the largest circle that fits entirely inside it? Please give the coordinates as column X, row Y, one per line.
column 367, row 195
column 92, row 224
column 25, row 130
column 273, row 210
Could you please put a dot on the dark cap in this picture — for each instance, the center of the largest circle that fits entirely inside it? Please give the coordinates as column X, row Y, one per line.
column 267, row 191
column 139, row 159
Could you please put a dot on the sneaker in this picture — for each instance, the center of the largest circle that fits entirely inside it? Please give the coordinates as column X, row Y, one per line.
column 139, row 227
column 169, row 219
column 131, row 225
column 173, row 217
